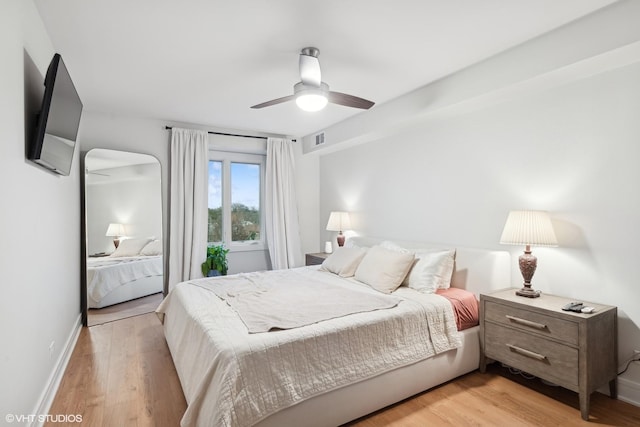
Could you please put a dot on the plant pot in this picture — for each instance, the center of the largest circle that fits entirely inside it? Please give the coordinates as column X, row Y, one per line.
column 213, row 273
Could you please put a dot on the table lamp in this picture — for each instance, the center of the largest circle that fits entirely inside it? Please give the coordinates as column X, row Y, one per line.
column 339, row 221
column 529, row 228
column 116, row 231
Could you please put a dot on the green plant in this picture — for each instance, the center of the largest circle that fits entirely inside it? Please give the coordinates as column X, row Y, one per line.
column 216, row 261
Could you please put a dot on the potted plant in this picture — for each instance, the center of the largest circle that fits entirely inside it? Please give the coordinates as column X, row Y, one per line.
column 216, row 263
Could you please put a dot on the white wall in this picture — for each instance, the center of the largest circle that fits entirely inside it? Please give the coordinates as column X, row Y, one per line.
column 40, row 213
column 129, row 195
column 570, row 147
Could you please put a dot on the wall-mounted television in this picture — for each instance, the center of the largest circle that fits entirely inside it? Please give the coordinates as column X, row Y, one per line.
column 56, row 131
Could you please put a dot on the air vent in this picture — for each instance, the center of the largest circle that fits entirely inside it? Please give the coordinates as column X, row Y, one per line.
column 320, row 138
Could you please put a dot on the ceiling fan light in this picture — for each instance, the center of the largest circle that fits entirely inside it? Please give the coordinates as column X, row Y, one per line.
column 311, row 101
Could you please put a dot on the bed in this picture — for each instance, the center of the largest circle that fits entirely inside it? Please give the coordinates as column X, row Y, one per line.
column 237, row 369
column 133, row 270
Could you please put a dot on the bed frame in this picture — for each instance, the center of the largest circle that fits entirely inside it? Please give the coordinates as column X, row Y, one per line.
column 130, row 290
column 476, row 270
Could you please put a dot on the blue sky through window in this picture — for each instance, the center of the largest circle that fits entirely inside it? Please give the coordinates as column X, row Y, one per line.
column 245, row 184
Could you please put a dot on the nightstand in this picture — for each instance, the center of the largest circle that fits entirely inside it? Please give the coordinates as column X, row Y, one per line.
column 315, row 259
column 574, row 350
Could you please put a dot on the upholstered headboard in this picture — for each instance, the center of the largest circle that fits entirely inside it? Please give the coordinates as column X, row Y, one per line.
column 476, row 270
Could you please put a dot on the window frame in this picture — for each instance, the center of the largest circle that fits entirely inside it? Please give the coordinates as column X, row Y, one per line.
column 226, row 158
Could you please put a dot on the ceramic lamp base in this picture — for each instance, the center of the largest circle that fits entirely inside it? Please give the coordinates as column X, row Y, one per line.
column 528, row 292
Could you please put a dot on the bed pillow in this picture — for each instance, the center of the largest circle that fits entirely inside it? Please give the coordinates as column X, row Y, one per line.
column 344, row 261
column 384, row 269
column 130, row 247
column 152, row 248
column 432, row 271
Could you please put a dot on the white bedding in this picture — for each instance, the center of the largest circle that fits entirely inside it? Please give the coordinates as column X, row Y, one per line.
column 287, row 299
column 108, row 273
column 233, row 378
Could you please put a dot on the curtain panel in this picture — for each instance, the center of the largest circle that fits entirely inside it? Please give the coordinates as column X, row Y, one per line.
column 281, row 211
column 188, row 213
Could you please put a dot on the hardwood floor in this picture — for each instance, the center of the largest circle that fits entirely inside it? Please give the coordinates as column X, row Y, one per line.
column 121, row 374
column 136, row 307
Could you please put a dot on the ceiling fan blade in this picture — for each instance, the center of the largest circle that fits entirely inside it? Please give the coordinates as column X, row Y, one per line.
column 350, row 100
column 274, row 101
column 310, row 67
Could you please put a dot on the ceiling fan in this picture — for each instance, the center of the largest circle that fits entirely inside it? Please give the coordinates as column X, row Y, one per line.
column 311, row 93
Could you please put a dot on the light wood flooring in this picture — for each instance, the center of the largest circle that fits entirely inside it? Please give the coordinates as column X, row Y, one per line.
column 121, row 374
column 136, row 307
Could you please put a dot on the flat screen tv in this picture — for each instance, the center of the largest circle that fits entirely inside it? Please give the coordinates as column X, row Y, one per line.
column 56, row 131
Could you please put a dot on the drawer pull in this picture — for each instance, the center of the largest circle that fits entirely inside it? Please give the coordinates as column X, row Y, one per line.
column 526, row 322
column 527, row 353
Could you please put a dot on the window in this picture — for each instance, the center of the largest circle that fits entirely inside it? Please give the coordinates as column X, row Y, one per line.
column 235, row 200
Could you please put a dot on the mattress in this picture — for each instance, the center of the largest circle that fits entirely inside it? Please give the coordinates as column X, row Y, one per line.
column 233, row 378
column 108, row 273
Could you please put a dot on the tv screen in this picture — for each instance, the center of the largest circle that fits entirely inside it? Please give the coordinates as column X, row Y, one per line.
column 58, row 121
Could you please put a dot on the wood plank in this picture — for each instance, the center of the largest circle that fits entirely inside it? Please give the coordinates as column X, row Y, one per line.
column 122, row 374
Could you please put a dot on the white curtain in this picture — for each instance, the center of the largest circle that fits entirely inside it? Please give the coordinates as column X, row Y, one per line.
column 188, row 232
column 281, row 211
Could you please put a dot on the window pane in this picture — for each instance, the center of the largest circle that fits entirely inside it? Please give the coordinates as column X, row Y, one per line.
column 245, row 201
column 215, row 202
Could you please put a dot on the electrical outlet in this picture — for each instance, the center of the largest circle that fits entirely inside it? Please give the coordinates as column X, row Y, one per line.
column 52, row 349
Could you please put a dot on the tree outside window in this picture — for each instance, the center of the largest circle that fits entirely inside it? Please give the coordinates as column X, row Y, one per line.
column 235, row 194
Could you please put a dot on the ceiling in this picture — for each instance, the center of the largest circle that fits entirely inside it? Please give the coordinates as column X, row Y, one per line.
column 207, row 61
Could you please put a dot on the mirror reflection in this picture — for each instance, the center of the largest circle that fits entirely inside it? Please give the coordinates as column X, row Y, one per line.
column 123, row 210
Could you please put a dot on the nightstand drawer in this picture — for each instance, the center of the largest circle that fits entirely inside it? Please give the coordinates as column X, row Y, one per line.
column 543, row 358
column 546, row 326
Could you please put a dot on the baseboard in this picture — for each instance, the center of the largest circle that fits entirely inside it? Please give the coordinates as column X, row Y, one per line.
column 629, row 391
column 51, row 388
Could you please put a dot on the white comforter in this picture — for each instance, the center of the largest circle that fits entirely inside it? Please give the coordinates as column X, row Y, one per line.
column 106, row 274
column 233, row 378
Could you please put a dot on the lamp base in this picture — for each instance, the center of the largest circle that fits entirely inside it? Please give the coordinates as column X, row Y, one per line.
column 528, row 292
column 340, row 239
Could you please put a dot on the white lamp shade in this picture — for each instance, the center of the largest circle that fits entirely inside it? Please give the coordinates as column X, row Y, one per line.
column 339, row 221
column 115, row 230
column 528, row 228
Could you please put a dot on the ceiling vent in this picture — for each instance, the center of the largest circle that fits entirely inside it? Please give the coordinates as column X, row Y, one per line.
column 320, row 138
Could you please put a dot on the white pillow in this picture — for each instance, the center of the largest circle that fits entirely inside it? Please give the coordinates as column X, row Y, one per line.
column 130, row 247
column 152, row 248
column 344, row 261
column 432, row 271
column 384, row 269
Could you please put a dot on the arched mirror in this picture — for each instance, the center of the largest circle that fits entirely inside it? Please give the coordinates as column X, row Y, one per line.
column 123, row 235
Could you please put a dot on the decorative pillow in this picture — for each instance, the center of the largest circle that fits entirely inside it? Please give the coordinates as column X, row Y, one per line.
column 384, row 269
column 344, row 261
column 130, row 247
column 152, row 248
column 432, row 271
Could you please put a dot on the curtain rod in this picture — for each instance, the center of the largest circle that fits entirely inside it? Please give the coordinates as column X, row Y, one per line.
column 229, row 134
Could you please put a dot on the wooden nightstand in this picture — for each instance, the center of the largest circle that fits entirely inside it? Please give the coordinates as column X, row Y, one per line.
column 315, row 259
column 574, row 350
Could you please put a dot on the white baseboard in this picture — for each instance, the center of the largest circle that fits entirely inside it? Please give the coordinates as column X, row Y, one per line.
column 51, row 388
column 629, row 391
